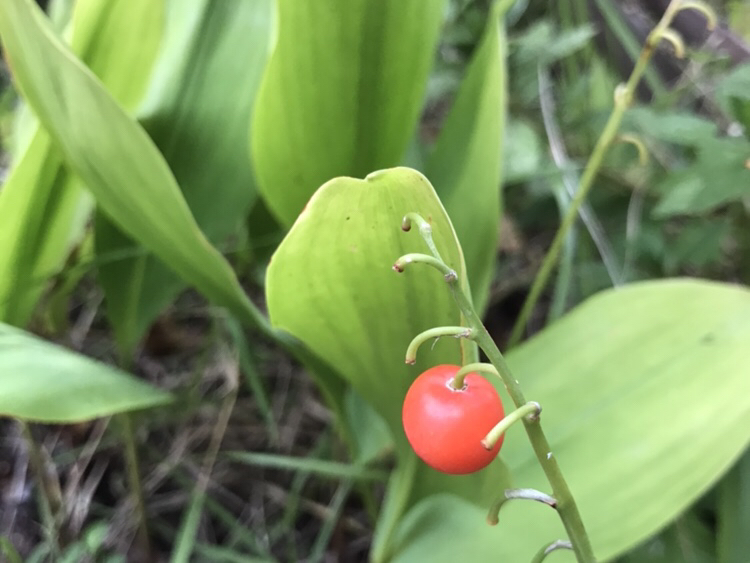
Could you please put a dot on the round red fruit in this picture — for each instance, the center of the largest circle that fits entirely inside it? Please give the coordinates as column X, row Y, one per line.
column 445, row 426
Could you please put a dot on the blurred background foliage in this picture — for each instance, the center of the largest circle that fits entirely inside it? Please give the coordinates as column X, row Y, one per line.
column 282, row 487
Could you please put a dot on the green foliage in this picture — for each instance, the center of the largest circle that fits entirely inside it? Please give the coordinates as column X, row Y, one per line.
column 716, row 171
column 113, row 155
column 337, row 259
column 45, row 207
column 196, row 111
column 363, row 68
column 45, row 383
column 188, row 126
column 465, row 163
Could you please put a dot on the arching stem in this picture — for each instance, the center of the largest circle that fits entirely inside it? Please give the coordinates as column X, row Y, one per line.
column 549, row 548
column 422, row 337
column 458, row 379
column 424, row 229
column 418, row 258
column 493, row 516
column 529, row 410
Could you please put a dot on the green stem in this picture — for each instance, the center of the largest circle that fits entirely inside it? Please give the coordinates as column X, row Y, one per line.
column 49, row 495
column 529, row 410
column 549, row 548
column 134, row 479
column 422, row 337
column 458, row 379
column 493, row 516
column 418, row 258
column 623, row 98
column 566, row 505
column 424, row 229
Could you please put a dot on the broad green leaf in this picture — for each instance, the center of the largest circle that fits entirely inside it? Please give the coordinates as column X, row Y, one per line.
column 119, row 40
column 465, row 164
column 341, row 94
column 330, row 282
column 43, row 382
column 330, row 285
column 733, row 541
column 643, row 391
column 113, row 155
column 43, row 208
column 196, row 112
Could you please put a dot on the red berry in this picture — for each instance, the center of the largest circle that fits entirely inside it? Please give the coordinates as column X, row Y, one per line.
column 445, row 426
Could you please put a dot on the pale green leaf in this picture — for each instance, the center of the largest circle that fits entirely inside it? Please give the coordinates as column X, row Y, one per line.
column 330, row 284
column 37, row 208
column 643, row 391
column 342, row 93
column 465, row 166
column 43, row 382
column 197, row 112
column 119, row 40
column 43, row 208
column 113, row 155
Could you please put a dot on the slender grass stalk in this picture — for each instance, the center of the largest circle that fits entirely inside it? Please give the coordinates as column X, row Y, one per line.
column 623, row 98
column 49, row 496
column 134, row 482
column 186, row 537
column 335, row 509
